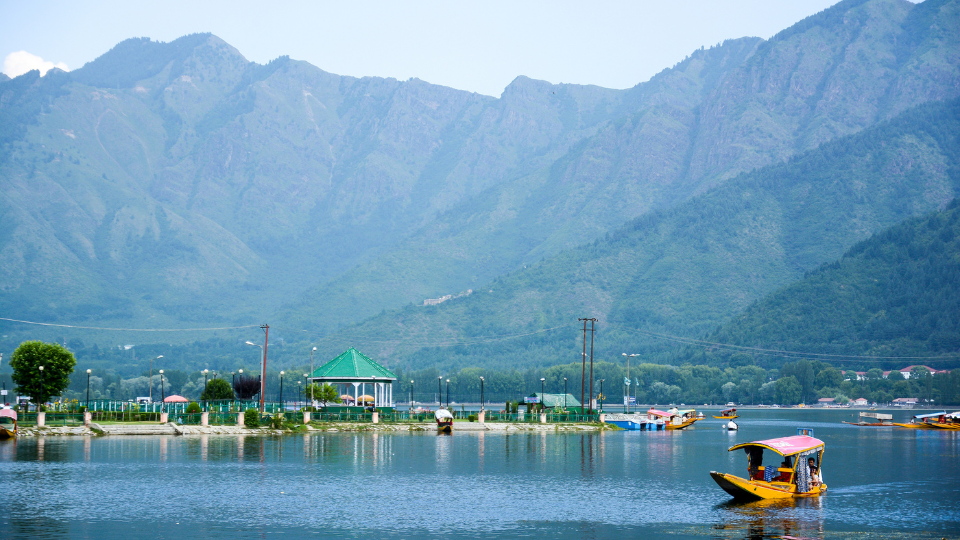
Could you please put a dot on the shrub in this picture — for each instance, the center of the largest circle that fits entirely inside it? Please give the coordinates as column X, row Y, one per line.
column 472, row 418
column 276, row 421
column 82, row 409
column 193, row 408
column 251, row 418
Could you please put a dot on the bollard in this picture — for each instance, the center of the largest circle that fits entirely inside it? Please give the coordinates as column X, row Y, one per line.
column 543, row 418
column 164, row 417
column 603, row 417
column 306, row 417
column 41, row 419
column 240, row 420
column 204, row 419
column 481, row 415
column 376, row 417
column 87, row 418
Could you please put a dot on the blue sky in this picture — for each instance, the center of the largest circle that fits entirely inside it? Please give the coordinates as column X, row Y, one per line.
column 478, row 46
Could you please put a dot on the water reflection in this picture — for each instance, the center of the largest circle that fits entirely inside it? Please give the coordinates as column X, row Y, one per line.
column 584, row 485
column 771, row 518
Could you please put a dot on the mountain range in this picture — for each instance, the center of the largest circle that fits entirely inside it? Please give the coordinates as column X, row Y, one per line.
column 173, row 184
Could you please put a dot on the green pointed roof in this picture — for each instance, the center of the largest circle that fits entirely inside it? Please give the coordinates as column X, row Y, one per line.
column 352, row 365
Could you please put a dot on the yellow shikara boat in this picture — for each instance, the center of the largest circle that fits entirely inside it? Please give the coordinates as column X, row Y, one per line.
column 923, row 421
column 676, row 419
column 444, row 421
column 948, row 421
column 727, row 414
column 794, row 478
column 8, row 423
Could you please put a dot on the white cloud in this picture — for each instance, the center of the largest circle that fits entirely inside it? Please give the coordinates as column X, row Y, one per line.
column 20, row 62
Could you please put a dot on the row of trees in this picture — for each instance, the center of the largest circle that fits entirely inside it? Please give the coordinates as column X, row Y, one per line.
column 803, row 381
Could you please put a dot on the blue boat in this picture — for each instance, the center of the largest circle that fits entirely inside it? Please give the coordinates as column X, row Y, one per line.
column 634, row 422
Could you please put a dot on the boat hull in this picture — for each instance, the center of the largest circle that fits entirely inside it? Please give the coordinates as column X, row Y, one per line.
column 868, row 425
column 915, row 426
column 685, row 424
column 951, row 427
column 743, row 489
column 8, row 433
column 734, row 417
column 445, row 426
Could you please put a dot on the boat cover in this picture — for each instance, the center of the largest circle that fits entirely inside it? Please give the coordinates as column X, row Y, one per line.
column 443, row 414
column 659, row 413
column 725, row 411
column 785, row 446
column 931, row 415
column 9, row 413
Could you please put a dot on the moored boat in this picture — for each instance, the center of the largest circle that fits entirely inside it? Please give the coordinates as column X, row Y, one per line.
column 635, row 422
column 727, row 414
column 922, row 421
column 444, row 420
column 676, row 419
column 881, row 420
column 797, row 476
column 948, row 421
column 8, row 423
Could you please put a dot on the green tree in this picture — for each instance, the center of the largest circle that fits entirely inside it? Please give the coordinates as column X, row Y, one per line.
column 787, row 390
column 217, row 389
column 325, row 393
column 57, row 362
column 829, row 377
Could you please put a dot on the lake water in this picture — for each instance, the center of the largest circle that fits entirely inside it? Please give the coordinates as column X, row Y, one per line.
column 883, row 483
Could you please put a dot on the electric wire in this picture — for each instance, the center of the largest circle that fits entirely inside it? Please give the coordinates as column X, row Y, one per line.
column 131, row 329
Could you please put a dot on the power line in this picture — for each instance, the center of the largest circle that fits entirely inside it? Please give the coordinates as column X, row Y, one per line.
column 447, row 343
column 778, row 352
column 131, row 329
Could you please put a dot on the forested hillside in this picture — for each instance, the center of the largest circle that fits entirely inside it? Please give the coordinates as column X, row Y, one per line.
column 685, row 271
column 895, row 294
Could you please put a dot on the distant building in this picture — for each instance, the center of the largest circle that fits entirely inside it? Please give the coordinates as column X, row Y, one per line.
column 860, row 402
column 825, row 401
column 905, row 401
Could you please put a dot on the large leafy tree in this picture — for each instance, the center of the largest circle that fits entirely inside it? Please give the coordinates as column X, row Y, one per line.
column 324, row 393
column 217, row 389
column 57, row 362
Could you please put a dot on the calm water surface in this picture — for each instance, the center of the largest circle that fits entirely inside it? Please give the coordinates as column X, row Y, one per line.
column 884, row 483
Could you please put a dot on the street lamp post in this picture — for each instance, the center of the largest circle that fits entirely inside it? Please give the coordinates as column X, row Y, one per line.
column 542, row 382
column 41, row 388
column 411, row 395
column 564, row 394
column 205, row 371
column 163, row 395
column 626, row 398
column 151, row 376
column 448, row 393
column 282, row 408
column 88, row 389
column 298, row 393
column 233, row 387
column 311, row 374
column 439, row 392
column 481, row 394
column 306, row 384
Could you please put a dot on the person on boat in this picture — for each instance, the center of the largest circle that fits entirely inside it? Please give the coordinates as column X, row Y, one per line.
column 754, row 461
column 814, row 473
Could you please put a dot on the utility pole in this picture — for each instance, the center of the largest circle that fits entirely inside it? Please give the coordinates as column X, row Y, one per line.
column 584, row 380
column 263, row 367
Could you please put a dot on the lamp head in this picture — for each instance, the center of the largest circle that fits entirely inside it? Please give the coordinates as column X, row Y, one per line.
column 542, row 379
column 620, row 353
column 448, row 380
column 205, row 371
column 41, row 368
column 314, row 348
column 240, row 371
column 89, row 371
column 161, row 356
column 281, row 373
column 251, row 343
column 161, row 372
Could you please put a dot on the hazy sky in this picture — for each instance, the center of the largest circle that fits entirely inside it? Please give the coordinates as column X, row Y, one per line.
column 478, row 46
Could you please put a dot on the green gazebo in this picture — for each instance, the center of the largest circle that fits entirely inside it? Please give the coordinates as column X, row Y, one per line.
column 353, row 368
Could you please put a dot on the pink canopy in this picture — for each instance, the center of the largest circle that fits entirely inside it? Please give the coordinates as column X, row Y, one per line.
column 175, row 399
column 659, row 413
column 785, row 446
column 9, row 413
